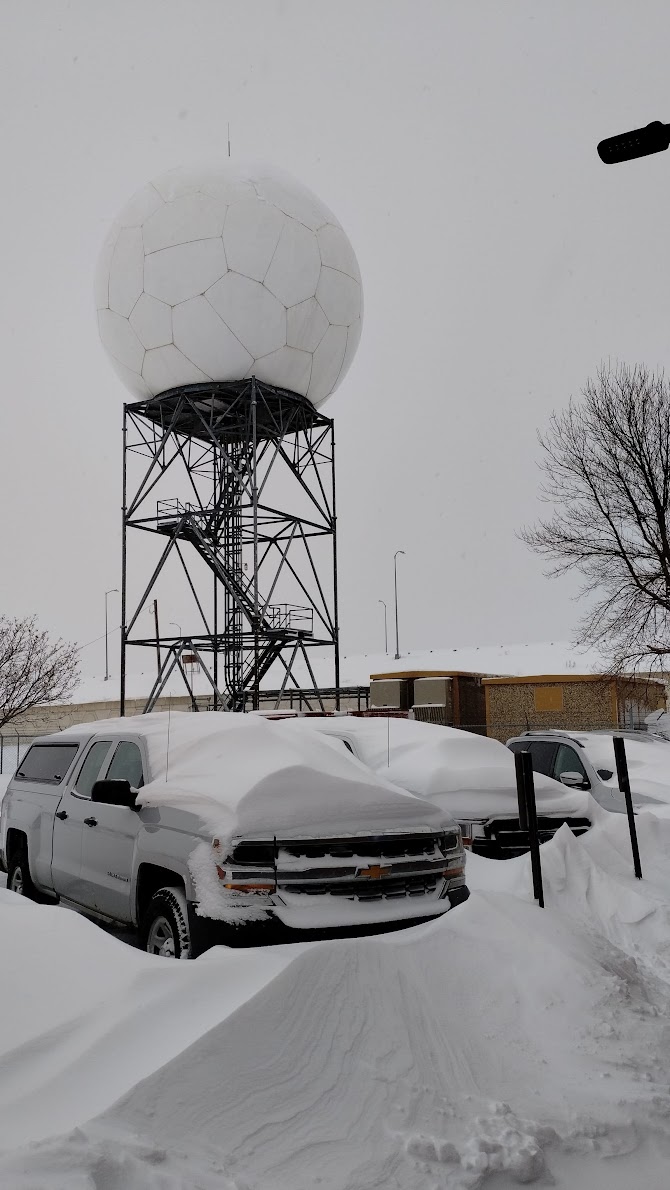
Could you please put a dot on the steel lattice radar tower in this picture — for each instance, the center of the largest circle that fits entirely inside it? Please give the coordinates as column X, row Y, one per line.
column 230, row 304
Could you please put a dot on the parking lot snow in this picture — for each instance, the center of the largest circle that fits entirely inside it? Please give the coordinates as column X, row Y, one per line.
column 83, row 1017
column 502, row 1043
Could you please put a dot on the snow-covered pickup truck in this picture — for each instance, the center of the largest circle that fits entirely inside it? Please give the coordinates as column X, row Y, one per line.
column 190, row 825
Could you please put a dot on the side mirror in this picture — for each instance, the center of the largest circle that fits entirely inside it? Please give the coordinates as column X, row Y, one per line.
column 114, row 793
column 573, row 780
column 605, row 774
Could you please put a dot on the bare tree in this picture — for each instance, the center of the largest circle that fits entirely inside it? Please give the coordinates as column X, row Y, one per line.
column 607, row 466
column 34, row 670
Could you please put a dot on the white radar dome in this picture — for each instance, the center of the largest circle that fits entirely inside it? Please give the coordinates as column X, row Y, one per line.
column 221, row 274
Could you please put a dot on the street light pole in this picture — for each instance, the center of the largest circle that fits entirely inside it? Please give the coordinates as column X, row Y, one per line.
column 110, row 592
column 395, row 588
column 386, row 635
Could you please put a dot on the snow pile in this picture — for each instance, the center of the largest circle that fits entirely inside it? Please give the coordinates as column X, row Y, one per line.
column 499, row 1040
column 241, row 774
column 499, row 1045
column 470, row 776
column 591, row 880
column 85, row 1017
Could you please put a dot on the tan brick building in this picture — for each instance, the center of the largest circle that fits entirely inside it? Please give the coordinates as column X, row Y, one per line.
column 575, row 702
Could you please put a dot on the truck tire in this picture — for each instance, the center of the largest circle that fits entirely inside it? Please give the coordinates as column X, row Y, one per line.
column 164, row 929
column 19, row 879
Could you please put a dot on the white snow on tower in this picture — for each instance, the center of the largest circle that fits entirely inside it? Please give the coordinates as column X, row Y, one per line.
column 221, row 274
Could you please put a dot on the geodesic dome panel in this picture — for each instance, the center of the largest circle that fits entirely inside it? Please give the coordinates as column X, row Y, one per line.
column 225, row 274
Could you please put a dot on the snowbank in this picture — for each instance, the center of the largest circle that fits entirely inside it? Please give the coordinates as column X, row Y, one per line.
column 85, row 1017
column 500, row 1040
column 591, row 880
column 501, row 1044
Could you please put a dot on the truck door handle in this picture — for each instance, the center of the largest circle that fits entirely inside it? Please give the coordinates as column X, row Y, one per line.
column 62, row 814
column 91, row 821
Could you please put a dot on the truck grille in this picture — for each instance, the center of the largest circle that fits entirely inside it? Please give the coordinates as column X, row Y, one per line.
column 370, row 890
column 375, row 847
column 359, row 868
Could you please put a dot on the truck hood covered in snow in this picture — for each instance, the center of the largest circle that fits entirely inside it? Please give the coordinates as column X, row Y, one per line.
column 470, row 776
column 244, row 775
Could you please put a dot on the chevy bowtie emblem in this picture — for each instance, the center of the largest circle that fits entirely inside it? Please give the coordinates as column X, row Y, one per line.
column 374, row 872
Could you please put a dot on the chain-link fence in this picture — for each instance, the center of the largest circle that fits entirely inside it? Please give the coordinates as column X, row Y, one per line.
column 12, row 748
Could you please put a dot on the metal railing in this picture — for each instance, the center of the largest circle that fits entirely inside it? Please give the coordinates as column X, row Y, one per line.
column 289, row 617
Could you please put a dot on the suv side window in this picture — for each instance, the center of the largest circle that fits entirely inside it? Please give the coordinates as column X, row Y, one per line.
column 567, row 761
column 127, row 765
column 90, row 769
column 542, row 752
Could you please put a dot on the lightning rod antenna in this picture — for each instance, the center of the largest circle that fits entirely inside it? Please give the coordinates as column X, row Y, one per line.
column 229, row 140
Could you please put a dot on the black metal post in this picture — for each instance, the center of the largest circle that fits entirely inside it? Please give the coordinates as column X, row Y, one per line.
column 624, row 786
column 254, row 502
column 124, row 518
column 158, row 638
column 216, row 494
column 521, row 791
column 526, row 795
column 336, row 618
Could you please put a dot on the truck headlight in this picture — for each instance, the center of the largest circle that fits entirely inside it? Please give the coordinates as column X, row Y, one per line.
column 449, row 841
column 239, row 877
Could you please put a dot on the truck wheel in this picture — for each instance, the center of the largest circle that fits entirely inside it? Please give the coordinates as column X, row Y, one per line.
column 18, row 876
column 164, row 929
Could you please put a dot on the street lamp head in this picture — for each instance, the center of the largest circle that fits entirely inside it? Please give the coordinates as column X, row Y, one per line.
column 653, row 138
column 112, row 590
column 396, row 554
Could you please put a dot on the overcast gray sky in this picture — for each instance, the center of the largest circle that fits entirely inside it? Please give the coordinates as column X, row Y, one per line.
column 501, row 263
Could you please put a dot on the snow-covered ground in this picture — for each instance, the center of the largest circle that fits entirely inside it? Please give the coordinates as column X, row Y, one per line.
column 546, row 657
column 501, row 1045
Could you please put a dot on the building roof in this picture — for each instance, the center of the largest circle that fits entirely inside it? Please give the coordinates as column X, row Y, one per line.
column 409, row 674
column 563, row 679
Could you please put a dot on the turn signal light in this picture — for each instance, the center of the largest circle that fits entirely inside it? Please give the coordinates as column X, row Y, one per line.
column 251, row 886
column 244, row 888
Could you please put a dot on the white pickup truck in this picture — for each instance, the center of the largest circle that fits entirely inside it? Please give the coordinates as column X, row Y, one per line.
column 186, row 827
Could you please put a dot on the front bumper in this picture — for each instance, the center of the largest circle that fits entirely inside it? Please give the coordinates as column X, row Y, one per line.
column 503, row 838
column 206, row 933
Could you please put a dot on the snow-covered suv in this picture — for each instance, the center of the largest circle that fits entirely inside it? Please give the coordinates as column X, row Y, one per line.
column 585, row 760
